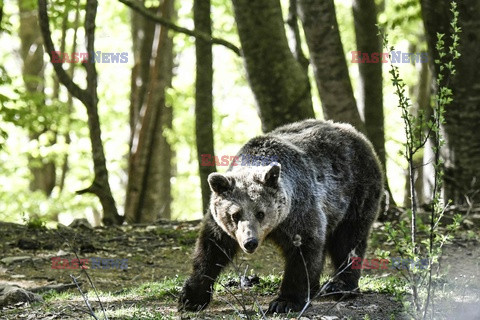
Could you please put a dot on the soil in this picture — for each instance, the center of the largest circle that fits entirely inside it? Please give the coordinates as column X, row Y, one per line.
column 163, row 251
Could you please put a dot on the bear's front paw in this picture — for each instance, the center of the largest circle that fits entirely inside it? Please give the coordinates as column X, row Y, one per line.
column 339, row 289
column 194, row 298
column 280, row 305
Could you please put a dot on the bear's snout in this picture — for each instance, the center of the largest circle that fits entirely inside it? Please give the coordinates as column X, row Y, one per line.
column 250, row 245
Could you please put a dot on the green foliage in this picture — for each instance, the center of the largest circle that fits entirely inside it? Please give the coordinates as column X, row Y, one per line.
column 418, row 241
column 167, row 289
column 268, row 285
column 390, row 284
column 35, row 222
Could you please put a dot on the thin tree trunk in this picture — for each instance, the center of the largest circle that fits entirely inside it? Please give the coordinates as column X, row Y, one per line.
column 279, row 83
column 292, row 22
column 371, row 85
column 371, row 81
column 148, row 189
column 43, row 170
column 203, row 95
column 462, row 150
column 100, row 186
column 1, row 15
column 143, row 32
column 328, row 60
column 71, row 70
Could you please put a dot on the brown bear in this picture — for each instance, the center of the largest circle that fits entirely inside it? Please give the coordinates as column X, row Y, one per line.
column 324, row 189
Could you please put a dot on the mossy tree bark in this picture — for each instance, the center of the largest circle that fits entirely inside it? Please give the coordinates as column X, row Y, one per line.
column 371, row 82
column 462, row 150
column 280, row 84
column 328, row 60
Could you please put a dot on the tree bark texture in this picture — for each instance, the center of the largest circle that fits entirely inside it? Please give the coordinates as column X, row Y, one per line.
column 100, row 186
column 203, row 95
column 279, row 83
column 148, row 191
column 31, row 51
column 328, row 60
column 371, row 81
column 56, row 89
column 462, row 151
column 296, row 45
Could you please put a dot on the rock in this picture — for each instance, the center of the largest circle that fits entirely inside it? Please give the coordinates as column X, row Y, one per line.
column 28, row 244
column 61, row 253
column 81, row 223
column 11, row 295
column 371, row 308
column 9, row 260
column 150, row 228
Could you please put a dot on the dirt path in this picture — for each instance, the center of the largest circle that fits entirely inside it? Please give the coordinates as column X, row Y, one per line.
column 163, row 251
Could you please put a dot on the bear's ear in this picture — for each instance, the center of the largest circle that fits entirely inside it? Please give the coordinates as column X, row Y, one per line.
column 270, row 177
column 219, row 183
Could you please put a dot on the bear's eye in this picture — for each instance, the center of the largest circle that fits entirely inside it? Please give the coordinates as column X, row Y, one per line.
column 236, row 216
column 260, row 215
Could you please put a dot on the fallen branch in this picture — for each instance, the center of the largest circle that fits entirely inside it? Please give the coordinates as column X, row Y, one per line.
column 141, row 9
column 54, row 287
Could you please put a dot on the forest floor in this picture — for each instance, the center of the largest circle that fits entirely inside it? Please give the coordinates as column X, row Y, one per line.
column 159, row 259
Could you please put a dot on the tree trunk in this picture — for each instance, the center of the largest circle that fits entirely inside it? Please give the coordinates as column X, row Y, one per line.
column 148, row 189
column 43, row 171
column 56, row 87
column 296, row 45
column 203, row 95
column 371, row 84
column 279, row 83
column 328, row 60
column 100, row 186
column 462, row 150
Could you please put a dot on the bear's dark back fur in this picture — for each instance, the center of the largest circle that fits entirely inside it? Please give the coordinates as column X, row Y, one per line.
column 333, row 157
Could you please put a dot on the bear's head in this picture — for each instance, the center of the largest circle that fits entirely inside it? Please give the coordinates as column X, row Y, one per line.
column 248, row 203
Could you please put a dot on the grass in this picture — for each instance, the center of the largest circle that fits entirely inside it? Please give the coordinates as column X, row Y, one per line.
column 141, row 302
column 167, row 289
column 389, row 284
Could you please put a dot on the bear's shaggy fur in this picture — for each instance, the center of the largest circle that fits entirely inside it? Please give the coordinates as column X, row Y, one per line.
column 325, row 188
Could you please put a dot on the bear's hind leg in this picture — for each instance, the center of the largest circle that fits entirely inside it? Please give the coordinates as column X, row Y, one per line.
column 348, row 240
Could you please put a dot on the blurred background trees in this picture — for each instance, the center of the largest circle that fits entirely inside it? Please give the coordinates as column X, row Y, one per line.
column 202, row 77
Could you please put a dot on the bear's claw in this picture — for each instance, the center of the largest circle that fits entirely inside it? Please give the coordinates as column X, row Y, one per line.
column 339, row 289
column 284, row 306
